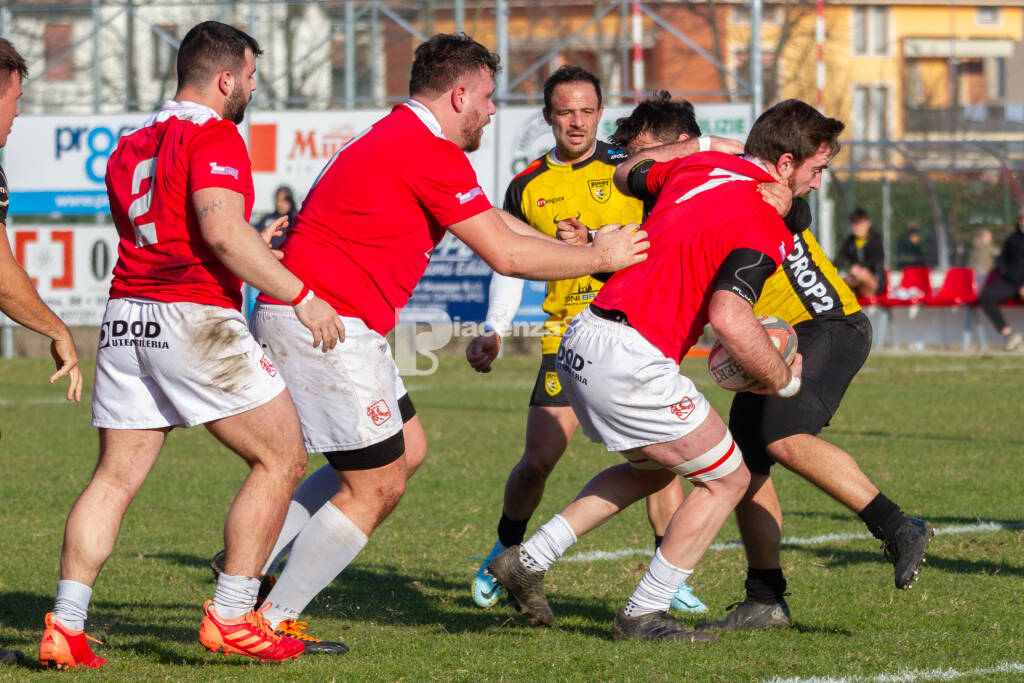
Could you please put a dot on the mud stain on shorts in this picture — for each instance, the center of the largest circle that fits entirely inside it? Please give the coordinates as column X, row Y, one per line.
column 212, row 344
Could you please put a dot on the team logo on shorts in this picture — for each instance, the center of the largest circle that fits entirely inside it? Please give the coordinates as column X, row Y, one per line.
column 682, row 409
column 379, row 412
column 135, row 333
column 268, row 366
column 551, row 384
column 600, row 190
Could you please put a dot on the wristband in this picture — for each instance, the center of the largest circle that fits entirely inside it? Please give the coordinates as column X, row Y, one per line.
column 790, row 389
column 304, row 297
column 704, row 143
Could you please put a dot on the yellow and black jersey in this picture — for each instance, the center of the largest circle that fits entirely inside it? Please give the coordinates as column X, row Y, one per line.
column 806, row 286
column 547, row 192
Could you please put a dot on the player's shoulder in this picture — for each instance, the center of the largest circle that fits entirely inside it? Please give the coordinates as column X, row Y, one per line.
column 610, row 154
column 532, row 170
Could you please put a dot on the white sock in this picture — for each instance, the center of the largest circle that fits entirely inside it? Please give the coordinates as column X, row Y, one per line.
column 656, row 589
column 324, row 547
column 317, row 489
column 547, row 545
column 72, row 605
column 234, row 595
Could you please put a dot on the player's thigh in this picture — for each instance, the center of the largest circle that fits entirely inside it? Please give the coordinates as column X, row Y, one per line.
column 548, row 431
column 348, row 398
column 127, row 456
column 268, row 434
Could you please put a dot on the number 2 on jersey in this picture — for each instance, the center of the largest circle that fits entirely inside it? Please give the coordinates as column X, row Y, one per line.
column 145, row 233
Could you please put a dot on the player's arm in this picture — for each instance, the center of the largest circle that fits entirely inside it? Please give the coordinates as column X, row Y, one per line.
column 221, row 214
column 673, row 150
column 20, row 301
column 737, row 286
column 504, row 296
column 511, row 253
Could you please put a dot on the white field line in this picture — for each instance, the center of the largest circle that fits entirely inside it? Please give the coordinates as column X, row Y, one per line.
column 911, row 676
column 31, row 401
column 792, row 542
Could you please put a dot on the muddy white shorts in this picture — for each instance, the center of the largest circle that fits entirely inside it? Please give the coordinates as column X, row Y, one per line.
column 624, row 390
column 168, row 364
column 347, row 398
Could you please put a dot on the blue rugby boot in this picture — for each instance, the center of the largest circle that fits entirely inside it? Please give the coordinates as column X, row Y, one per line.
column 486, row 590
column 686, row 601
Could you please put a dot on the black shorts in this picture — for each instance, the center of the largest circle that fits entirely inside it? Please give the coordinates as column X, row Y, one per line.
column 834, row 351
column 378, row 454
column 547, row 391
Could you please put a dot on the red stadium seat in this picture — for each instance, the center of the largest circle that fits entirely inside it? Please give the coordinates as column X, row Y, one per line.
column 959, row 288
column 877, row 299
column 915, row 288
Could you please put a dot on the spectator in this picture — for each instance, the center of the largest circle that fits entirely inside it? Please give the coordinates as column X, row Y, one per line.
column 982, row 257
column 1007, row 283
column 909, row 250
column 864, row 256
column 284, row 205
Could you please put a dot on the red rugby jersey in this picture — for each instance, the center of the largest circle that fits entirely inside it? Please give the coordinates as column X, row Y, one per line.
column 708, row 205
column 150, row 180
column 367, row 228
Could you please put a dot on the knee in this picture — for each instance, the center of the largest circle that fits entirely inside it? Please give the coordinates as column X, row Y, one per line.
column 387, row 493
column 537, row 465
column 733, row 486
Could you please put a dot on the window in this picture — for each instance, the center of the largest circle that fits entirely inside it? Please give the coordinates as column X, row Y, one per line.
column 870, row 25
column 164, row 53
column 987, row 16
column 56, row 46
column 870, row 119
column 770, row 14
column 769, row 71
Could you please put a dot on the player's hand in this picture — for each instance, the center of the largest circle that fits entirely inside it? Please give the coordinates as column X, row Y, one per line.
column 620, row 246
column 482, row 351
column 571, row 231
column 275, row 229
column 322, row 320
column 726, row 145
column 796, row 366
column 66, row 358
column 778, row 195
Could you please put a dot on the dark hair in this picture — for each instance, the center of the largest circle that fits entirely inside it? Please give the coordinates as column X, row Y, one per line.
column 792, row 127
column 10, row 61
column 570, row 74
column 288, row 194
column 658, row 115
column 858, row 215
column 209, row 48
column 446, row 57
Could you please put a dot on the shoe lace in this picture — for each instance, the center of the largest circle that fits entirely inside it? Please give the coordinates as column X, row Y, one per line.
column 295, row 629
column 95, row 640
column 260, row 624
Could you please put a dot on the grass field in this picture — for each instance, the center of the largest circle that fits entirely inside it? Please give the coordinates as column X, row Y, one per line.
column 941, row 435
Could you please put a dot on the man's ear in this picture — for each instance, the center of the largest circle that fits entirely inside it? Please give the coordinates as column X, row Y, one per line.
column 458, row 98
column 785, row 166
column 683, row 137
column 225, row 83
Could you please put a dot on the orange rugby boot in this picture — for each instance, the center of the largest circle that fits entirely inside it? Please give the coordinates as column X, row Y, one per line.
column 249, row 635
column 63, row 648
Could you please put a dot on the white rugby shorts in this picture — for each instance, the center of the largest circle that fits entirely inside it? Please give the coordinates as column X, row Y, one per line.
column 626, row 393
column 347, row 398
column 169, row 364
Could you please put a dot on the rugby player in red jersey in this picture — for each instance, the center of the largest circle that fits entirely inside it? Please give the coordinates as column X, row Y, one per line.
column 362, row 241
column 174, row 349
column 714, row 242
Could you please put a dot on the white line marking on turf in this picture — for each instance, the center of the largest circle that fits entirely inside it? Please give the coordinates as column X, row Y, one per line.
column 910, row 676
column 792, row 542
column 31, row 401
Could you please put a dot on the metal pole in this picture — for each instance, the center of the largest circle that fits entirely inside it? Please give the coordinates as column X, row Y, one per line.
column 754, row 57
column 5, row 22
column 460, row 16
column 376, row 56
column 350, row 55
column 638, row 52
column 96, row 80
column 501, row 29
column 887, row 220
column 819, row 50
column 624, row 45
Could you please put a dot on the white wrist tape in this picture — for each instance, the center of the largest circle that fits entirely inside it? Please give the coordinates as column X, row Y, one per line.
column 304, row 300
column 704, row 143
column 790, row 389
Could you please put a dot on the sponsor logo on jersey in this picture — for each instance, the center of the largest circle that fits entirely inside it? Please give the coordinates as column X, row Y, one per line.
column 617, row 154
column 268, row 366
column 379, row 412
column 135, row 333
column 683, row 409
column 466, row 197
column 807, row 280
column 541, row 202
column 600, row 190
column 551, row 384
column 223, row 170
column 549, row 200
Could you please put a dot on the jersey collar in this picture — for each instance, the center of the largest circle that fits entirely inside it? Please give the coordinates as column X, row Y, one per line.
column 186, row 110
column 426, row 116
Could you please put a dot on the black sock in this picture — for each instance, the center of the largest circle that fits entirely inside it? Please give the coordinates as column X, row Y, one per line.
column 882, row 517
column 511, row 531
column 765, row 585
column 657, row 541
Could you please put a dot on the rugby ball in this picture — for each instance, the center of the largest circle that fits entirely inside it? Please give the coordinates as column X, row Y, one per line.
column 730, row 375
